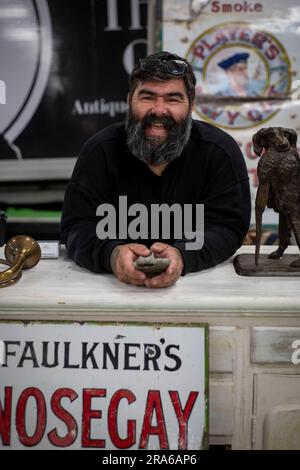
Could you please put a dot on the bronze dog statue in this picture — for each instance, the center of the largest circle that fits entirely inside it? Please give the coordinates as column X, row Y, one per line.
column 278, row 173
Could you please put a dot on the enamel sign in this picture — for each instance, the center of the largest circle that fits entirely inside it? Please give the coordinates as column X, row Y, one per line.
column 103, row 386
column 245, row 56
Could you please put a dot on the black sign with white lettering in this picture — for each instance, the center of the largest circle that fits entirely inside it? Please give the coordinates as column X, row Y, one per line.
column 64, row 71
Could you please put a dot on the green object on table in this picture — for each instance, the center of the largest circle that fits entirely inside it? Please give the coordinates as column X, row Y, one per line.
column 32, row 213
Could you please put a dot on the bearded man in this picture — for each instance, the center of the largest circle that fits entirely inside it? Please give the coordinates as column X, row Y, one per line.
column 159, row 156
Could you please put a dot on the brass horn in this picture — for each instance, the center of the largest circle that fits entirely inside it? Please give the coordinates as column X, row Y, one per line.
column 20, row 252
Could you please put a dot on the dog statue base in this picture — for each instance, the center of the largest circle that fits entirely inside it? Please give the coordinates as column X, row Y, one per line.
column 244, row 265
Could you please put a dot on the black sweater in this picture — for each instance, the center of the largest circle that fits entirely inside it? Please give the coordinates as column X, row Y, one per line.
column 210, row 171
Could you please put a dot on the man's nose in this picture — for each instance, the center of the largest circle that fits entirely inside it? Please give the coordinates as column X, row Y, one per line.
column 159, row 107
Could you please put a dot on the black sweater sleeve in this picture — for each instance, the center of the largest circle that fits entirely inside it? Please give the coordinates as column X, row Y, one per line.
column 88, row 188
column 227, row 210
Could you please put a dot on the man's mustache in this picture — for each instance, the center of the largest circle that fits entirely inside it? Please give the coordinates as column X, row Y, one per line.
column 151, row 119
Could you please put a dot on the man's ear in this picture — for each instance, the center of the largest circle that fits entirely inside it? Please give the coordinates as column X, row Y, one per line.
column 192, row 105
column 292, row 137
column 257, row 141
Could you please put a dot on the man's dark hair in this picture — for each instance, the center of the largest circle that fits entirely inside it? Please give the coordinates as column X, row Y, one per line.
column 159, row 73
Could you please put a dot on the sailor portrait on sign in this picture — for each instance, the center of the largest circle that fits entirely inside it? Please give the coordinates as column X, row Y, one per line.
column 237, row 81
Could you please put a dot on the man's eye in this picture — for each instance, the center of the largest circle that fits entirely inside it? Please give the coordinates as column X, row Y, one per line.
column 174, row 100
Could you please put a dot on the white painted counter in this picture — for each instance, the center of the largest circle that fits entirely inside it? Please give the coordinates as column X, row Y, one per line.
column 59, row 287
column 254, row 386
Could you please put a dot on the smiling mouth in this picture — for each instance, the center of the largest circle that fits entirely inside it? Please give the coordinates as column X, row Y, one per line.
column 156, row 130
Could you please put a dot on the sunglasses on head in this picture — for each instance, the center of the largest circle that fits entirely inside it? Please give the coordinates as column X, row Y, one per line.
column 172, row 66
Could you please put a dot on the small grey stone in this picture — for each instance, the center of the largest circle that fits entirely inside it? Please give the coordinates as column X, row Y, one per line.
column 151, row 265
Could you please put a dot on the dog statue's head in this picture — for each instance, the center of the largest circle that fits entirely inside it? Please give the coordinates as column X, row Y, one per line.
column 280, row 138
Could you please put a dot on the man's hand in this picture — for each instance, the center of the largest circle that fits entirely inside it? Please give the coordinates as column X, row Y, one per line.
column 174, row 270
column 122, row 259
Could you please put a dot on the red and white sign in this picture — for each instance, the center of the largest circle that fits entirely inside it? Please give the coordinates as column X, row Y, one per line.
column 85, row 386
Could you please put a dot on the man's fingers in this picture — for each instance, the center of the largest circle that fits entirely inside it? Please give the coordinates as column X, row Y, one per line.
column 136, row 274
column 162, row 280
column 172, row 266
column 158, row 247
column 139, row 250
column 125, row 270
column 132, row 273
column 133, row 282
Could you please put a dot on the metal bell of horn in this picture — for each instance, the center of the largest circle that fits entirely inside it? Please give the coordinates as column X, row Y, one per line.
column 21, row 252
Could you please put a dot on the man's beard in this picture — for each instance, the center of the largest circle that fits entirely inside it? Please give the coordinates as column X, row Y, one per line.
column 153, row 150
